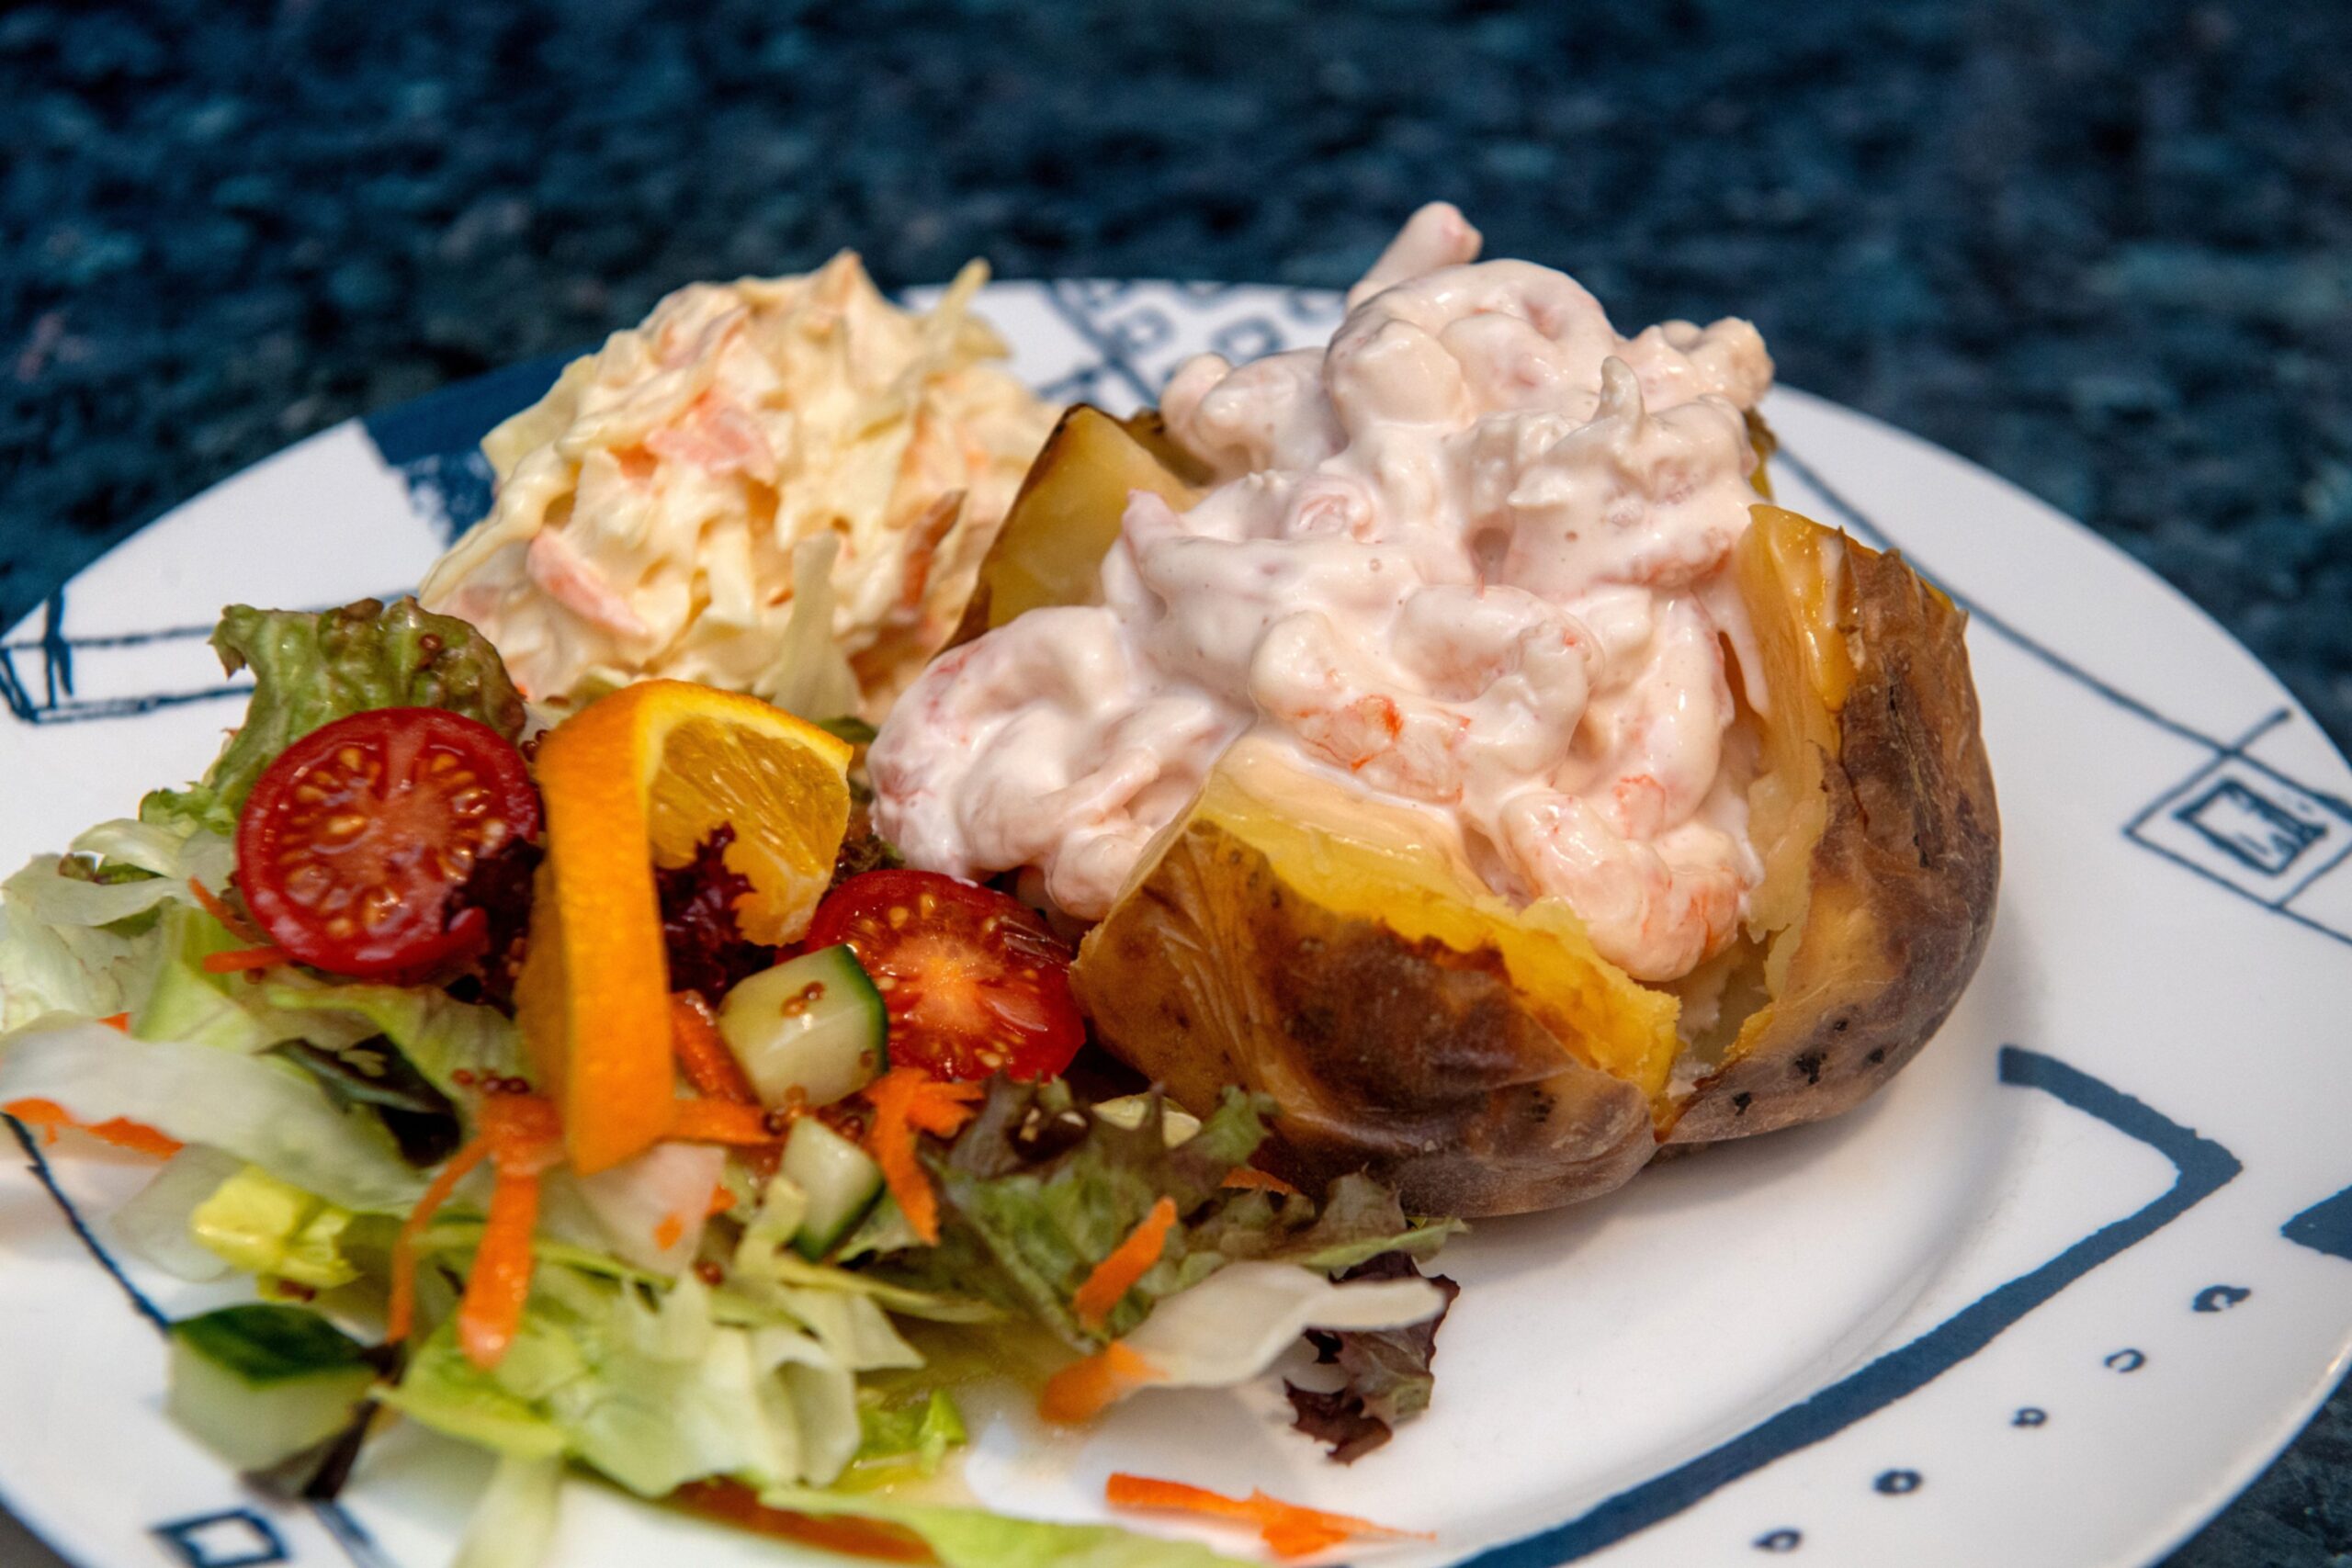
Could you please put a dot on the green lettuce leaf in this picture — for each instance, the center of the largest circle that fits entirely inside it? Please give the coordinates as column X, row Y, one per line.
column 1035, row 1193
column 974, row 1537
column 183, row 1002
column 443, row 1391
column 440, row 1036
column 903, row 1433
column 79, row 932
column 311, row 669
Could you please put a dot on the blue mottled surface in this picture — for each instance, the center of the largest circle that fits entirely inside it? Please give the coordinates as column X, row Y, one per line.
column 2106, row 252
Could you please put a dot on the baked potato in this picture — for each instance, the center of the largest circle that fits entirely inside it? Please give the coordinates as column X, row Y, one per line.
column 1300, row 938
column 1066, row 515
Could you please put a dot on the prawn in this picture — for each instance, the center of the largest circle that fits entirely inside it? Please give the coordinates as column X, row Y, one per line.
column 1436, row 235
column 1655, row 909
column 1041, row 744
column 1502, row 678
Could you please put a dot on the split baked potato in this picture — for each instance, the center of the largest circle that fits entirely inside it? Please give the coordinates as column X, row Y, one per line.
column 1293, row 936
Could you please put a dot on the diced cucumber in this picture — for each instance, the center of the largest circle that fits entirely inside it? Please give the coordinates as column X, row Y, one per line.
column 840, row 1180
column 813, row 1023
column 1176, row 1125
column 257, row 1384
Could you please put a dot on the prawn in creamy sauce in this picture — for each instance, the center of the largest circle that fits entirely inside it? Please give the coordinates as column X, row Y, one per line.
column 1472, row 558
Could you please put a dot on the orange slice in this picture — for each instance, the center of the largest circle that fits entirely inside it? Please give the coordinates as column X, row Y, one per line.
column 636, row 778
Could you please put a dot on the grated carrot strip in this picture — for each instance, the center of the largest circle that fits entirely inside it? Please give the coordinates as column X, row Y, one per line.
column 120, row 1131
column 908, row 1101
column 703, row 1053
column 1084, row 1389
column 210, row 903
column 400, row 1313
column 1129, row 1261
column 1289, row 1530
column 721, row 1122
column 525, row 1139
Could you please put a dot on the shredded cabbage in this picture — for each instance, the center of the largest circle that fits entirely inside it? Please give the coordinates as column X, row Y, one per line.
column 647, row 1387
column 513, row 1524
column 72, row 945
column 154, row 1225
column 1231, row 1327
column 264, row 1113
column 265, row 1226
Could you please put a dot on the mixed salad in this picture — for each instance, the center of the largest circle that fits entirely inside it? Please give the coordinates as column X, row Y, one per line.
column 605, row 1095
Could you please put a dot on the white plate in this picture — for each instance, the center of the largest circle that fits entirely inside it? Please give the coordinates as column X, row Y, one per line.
column 2051, row 1299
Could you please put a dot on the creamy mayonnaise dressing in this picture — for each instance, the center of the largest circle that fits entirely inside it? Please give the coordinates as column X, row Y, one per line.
column 1474, row 557
column 752, row 448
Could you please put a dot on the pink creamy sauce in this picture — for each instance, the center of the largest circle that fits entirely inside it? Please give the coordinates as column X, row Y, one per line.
column 1474, row 558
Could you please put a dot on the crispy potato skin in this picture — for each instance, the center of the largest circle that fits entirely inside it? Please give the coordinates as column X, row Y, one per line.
column 1903, row 875
column 1407, row 1058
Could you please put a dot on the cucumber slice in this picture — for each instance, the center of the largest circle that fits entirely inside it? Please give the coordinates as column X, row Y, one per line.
column 814, row 1024
column 260, row 1384
column 840, row 1180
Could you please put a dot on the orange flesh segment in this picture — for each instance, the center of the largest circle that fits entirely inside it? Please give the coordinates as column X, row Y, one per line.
column 739, row 1505
column 239, row 960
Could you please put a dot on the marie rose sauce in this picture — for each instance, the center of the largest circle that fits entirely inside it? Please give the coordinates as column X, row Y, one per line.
column 1473, row 557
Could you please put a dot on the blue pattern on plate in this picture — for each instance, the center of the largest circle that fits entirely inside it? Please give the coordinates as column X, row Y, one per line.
column 237, row 1538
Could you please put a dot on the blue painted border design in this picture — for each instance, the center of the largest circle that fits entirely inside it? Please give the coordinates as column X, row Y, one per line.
column 2325, row 1226
column 270, row 1550
column 2202, row 1168
column 2222, row 751
column 47, row 1179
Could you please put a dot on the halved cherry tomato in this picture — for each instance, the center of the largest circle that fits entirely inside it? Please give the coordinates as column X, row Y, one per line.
column 357, row 840
column 975, row 982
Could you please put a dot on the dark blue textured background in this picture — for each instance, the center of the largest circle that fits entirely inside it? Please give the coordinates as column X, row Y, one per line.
column 2106, row 252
